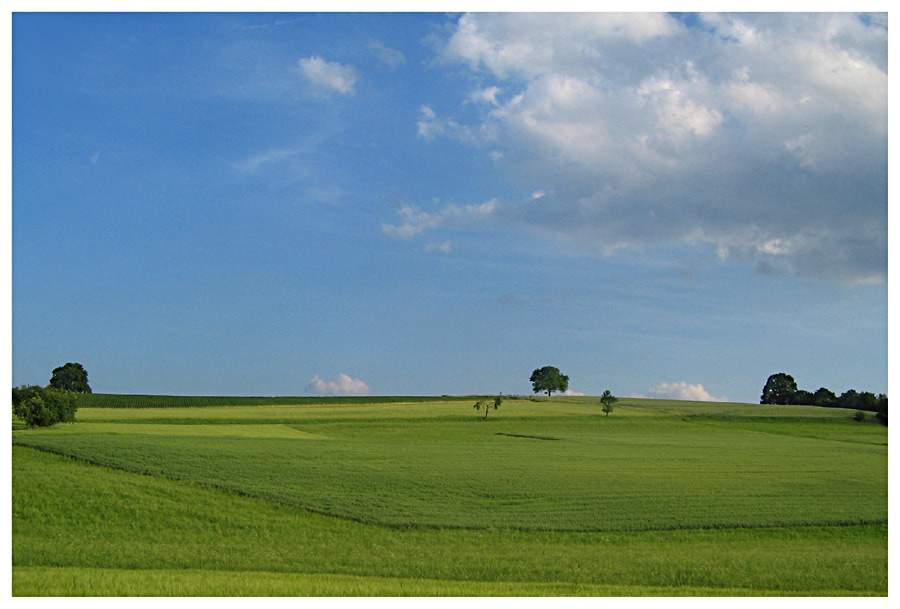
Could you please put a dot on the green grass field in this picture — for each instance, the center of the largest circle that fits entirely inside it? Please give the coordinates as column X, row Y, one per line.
column 423, row 497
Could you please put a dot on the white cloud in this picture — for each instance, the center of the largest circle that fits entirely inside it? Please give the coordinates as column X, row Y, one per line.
column 487, row 95
column 340, row 385
column 740, row 132
column 416, row 221
column 684, row 391
column 430, row 126
column 572, row 393
column 329, row 76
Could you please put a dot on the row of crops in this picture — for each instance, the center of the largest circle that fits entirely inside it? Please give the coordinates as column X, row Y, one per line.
column 110, row 400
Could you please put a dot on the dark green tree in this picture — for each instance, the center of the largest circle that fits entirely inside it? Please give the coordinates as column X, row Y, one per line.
column 850, row 399
column 608, row 399
column 779, row 389
column 825, row 397
column 803, row 397
column 71, row 377
column 868, row 402
column 881, row 415
column 43, row 406
column 548, row 379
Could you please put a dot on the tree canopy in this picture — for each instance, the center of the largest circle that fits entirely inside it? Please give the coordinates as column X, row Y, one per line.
column 71, row 377
column 608, row 399
column 548, row 379
column 43, row 406
column 779, row 389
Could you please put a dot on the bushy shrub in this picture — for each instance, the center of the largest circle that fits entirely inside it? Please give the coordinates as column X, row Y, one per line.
column 43, row 406
column 859, row 416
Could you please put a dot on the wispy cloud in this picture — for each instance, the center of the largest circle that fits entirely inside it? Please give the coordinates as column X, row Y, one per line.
column 386, row 55
column 416, row 221
column 328, row 77
column 253, row 163
column 340, row 385
column 444, row 247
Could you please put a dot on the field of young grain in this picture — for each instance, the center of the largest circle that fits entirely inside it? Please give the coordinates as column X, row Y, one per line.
column 426, row 498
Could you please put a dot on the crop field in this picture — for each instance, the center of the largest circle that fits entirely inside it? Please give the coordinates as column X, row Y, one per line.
column 421, row 496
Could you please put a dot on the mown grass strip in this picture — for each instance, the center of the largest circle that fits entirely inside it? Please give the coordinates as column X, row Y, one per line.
column 74, row 581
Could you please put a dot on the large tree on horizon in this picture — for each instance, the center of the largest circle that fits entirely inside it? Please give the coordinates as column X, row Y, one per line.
column 548, row 379
column 780, row 389
column 71, row 377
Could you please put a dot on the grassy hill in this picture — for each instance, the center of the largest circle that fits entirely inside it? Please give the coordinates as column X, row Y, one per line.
column 416, row 496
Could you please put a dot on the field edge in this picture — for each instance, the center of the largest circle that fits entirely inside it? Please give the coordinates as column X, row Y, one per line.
column 80, row 581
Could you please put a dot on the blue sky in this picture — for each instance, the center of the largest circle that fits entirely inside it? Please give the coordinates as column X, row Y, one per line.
column 317, row 204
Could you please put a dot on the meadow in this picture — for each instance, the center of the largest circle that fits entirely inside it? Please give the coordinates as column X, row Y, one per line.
column 421, row 496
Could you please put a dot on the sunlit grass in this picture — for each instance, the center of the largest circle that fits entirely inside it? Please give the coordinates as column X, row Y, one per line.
column 37, row 581
column 76, row 516
column 659, row 498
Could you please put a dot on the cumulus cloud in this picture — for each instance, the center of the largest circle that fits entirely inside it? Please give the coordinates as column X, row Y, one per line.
column 340, row 385
column 762, row 137
column 573, row 393
column 684, row 391
column 329, row 76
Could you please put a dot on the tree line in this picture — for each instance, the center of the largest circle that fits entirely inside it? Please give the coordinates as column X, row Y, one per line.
column 781, row 388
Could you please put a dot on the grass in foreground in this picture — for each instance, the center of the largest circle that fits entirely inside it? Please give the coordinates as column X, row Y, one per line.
column 71, row 519
column 83, row 529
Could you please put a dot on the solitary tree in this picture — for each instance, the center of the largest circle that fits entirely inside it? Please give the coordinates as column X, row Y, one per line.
column 779, row 389
column 548, row 379
column 487, row 404
column 608, row 399
column 71, row 377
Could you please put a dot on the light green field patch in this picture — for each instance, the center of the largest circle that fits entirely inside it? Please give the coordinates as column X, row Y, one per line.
column 461, row 409
column 275, row 430
column 48, row 581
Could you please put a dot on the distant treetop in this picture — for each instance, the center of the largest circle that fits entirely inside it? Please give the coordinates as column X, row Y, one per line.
column 71, row 377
